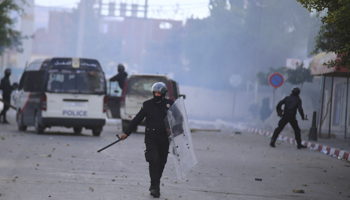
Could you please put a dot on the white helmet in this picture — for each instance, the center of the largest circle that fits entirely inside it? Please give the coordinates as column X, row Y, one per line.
column 159, row 87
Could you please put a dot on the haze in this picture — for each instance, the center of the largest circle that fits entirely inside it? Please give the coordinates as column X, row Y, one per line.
column 197, row 43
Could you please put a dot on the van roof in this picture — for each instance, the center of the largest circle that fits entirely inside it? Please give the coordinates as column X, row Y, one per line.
column 63, row 63
column 152, row 75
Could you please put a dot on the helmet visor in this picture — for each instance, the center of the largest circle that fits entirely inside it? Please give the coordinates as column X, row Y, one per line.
column 159, row 87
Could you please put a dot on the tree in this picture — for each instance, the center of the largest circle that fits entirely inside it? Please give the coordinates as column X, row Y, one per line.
column 299, row 75
column 334, row 34
column 242, row 37
column 8, row 35
column 263, row 78
column 165, row 53
column 217, row 46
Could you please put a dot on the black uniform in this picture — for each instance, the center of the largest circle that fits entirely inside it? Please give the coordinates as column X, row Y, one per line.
column 120, row 77
column 156, row 136
column 6, row 88
column 291, row 104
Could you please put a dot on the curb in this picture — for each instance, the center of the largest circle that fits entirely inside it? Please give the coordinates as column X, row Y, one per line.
column 336, row 153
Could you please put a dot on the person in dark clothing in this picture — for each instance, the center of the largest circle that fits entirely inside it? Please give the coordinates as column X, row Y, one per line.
column 120, row 77
column 156, row 135
column 6, row 88
column 291, row 104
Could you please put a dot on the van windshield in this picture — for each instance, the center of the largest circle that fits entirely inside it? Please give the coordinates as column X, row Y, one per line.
column 76, row 81
column 143, row 85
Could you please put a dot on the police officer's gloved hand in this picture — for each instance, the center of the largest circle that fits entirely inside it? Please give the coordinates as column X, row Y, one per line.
column 279, row 113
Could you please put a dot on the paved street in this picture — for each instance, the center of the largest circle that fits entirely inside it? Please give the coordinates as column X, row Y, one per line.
column 60, row 165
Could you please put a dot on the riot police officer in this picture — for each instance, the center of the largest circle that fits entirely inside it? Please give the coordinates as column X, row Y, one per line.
column 6, row 88
column 120, row 77
column 291, row 103
column 156, row 136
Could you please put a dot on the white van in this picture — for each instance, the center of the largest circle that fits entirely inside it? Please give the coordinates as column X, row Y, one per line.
column 68, row 92
column 137, row 89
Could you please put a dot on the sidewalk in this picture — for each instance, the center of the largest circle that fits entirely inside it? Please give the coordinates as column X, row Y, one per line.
column 335, row 147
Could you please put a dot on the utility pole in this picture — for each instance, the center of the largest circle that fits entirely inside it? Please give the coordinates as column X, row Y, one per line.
column 99, row 8
column 82, row 13
column 254, row 52
column 146, row 9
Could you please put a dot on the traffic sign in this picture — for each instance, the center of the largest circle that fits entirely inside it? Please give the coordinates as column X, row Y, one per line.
column 276, row 80
column 235, row 80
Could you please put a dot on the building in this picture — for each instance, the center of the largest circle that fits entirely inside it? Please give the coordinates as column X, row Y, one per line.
column 25, row 24
column 109, row 38
column 333, row 112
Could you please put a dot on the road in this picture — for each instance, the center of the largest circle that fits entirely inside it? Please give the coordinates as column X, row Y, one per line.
column 60, row 165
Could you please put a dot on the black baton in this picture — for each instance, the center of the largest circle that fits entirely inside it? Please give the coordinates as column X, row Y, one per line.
column 7, row 103
column 110, row 144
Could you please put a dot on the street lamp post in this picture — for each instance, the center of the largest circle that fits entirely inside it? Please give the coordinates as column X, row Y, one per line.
column 235, row 81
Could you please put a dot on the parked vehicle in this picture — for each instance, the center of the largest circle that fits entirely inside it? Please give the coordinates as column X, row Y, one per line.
column 68, row 92
column 114, row 93
column 137, row 89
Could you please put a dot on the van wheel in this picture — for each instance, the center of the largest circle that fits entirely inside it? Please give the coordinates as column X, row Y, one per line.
column 77, row 130
column 39, row 129
column 125, row 124
column 20, row 125
column 96, row 131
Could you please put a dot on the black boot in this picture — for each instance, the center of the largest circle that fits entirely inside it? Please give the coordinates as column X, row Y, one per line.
column 298, row 140
column 155, row 190
column 155, row 193
column 4, row 121
column 272, row 143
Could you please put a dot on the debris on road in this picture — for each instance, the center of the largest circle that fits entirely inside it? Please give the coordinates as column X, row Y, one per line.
column 298, row 191
column 206, row 130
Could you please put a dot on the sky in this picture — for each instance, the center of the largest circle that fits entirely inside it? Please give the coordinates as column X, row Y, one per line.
column 169, row 9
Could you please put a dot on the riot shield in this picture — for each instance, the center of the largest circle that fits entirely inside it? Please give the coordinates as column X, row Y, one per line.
column 181, row 146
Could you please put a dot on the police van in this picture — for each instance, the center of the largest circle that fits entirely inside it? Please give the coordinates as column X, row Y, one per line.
column 68, row 92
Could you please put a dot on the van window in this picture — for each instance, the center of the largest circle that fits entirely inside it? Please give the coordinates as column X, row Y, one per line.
column 143, row 85
column 21, row 82
column 32, row 81
column 113, row 89
column 76, row 81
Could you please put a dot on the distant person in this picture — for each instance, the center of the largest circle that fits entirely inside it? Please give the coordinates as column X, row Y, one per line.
column 120, row 77
column 291, row 104
column 6, row 88
column 156, row 135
